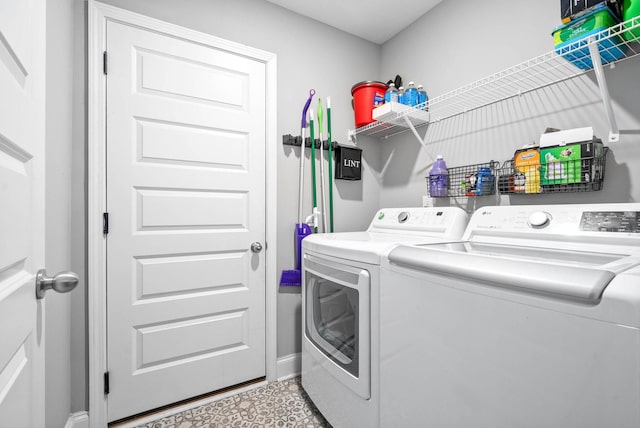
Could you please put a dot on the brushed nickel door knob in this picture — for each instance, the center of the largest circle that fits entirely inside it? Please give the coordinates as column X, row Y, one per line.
column 62, row 282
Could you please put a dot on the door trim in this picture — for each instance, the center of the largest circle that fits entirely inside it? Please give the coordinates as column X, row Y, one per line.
column 99, row 15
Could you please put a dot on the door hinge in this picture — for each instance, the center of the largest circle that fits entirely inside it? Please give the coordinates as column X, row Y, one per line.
column 106, row 383
column 105, row 223
column 104, row 62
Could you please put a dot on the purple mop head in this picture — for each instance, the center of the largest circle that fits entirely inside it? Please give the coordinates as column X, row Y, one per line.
column 293, row 277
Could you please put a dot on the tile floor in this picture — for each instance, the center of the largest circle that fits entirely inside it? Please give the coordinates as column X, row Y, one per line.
column 278, row 404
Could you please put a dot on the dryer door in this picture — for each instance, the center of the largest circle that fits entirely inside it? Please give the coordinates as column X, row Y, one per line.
column 337, row 321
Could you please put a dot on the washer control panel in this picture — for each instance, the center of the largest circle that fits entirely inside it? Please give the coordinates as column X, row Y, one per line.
column 440, row 221
column 597, row 221
column 611, row 221
column 411, row 217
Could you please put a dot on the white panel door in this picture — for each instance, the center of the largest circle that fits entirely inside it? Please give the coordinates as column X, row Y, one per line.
column 22, row 124
column 186, row 200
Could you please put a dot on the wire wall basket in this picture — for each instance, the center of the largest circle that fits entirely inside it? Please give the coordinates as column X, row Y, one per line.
column 471, row 180
column 553, row 175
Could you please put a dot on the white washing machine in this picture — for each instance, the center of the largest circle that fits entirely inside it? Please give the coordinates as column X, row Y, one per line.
column 340, row 292
column 531, row 321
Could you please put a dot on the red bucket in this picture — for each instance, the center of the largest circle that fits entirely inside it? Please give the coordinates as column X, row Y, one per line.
column 366, row 96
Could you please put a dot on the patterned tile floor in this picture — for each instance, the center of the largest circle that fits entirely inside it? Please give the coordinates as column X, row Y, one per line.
column 279, row 404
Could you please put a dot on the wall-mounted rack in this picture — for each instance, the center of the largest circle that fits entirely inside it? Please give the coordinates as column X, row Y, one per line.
column 470, row 180
column 573, row 176
column 585, row 174
column 290, row 140
column 394, row 118
column 539, row 72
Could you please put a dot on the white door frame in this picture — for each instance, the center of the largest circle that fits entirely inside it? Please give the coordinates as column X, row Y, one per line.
column 99, row 15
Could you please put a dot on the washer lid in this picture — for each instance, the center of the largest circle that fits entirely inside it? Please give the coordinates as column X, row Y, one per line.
column 574, row 275
column 365, row 247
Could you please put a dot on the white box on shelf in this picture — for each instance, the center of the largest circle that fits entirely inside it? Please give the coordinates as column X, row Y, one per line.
column 395, row 113
column 568, row 136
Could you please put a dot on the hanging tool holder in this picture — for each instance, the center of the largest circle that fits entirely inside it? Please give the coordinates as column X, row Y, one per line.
column 290, row 140
column 348, row 160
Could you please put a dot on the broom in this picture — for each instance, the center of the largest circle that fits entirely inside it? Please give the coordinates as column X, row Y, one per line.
column 293, row 277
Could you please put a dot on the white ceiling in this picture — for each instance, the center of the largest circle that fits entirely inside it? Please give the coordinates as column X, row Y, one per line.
column 373, row 20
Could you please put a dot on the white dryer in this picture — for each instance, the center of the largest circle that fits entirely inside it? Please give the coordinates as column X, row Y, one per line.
column 533, row 320
column 340, row 294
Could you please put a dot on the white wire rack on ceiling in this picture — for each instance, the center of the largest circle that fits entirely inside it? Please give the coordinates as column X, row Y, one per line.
column 539, row 72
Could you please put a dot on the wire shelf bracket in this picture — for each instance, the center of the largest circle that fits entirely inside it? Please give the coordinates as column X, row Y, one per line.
column 614, row 132
column 394, row 118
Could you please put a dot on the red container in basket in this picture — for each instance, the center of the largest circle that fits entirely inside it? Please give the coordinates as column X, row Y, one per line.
column 366, row 96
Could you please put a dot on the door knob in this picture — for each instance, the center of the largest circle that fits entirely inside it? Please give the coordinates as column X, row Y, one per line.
column 256, row 247
column 62, row 282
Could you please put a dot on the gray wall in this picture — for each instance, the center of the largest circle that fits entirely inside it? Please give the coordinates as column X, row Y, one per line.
column 79, row 350
column 460, row 42
column 58, row 204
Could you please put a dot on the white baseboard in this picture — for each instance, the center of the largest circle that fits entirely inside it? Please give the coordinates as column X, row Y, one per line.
column 289, row 366
column 78, row 420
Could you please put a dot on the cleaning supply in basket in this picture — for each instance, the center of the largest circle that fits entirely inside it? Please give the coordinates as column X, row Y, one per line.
column 485, row 181
column 438, row 178
column 527, row 166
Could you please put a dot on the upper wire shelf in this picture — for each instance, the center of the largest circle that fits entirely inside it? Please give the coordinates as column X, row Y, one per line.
column 539, row 72
column 394, row 118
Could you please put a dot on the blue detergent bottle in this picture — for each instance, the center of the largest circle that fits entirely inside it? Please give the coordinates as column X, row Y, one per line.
column 391, row 96
column 402, row 99
column 485, row 181
column 411, row 95
column 422, row 98
column 438, row 178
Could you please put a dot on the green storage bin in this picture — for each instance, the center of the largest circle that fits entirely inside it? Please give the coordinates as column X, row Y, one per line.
column 630, row 10
column 571, row 40
column 588, row 24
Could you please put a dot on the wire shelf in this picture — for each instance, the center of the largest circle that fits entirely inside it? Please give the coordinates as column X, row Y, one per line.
column 394, row 118
column 470, row 180
column 585, row 174
column 539, row 72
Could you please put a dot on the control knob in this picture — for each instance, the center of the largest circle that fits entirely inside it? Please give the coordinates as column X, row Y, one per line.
column 539, row 219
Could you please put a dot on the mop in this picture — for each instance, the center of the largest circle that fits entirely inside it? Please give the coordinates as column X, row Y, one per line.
column 294, row 277
column 323, row 199
column 330, row 161
column 312, row 220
